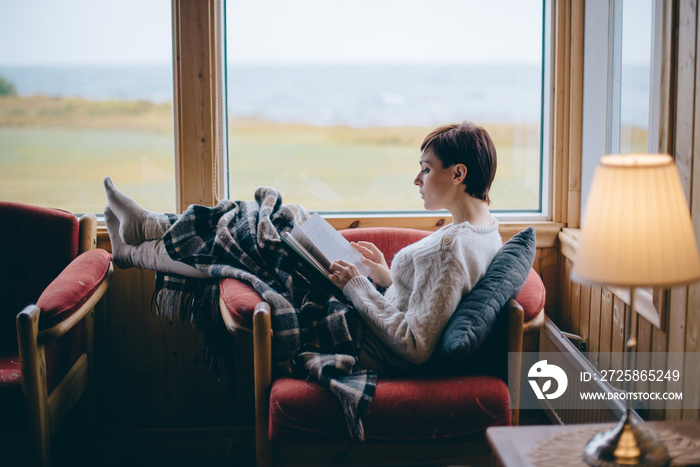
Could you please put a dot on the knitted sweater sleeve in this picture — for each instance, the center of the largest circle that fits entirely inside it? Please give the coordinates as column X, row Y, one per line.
column 413, row 333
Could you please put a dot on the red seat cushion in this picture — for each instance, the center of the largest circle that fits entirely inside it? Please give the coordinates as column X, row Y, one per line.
column 401, row 409
column 11, row 397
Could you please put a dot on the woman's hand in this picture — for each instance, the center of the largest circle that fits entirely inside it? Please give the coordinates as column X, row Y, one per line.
column 341, row 272
column 374, row 258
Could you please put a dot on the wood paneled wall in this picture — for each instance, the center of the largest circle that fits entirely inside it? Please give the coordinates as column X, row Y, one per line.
column 150, row 372
column 599, row 316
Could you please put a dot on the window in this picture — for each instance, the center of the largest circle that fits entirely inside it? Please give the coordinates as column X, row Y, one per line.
column 631, row 74
column 329, row 101
column 617, row 76
column 89, row 93
column 618, row 96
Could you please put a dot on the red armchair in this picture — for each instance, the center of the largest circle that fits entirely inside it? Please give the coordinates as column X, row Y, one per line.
column 51, row 277
column 429, row 420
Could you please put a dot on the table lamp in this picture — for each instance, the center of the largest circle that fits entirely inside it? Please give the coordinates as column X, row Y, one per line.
column 637, row 232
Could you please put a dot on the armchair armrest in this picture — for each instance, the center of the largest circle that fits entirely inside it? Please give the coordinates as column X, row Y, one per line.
column 88, row 232
column 73, row 293
column 515, row 315
column 50, row 391
column 533, row 326
column 262, row 349
column 237, row 300
column 516, row 331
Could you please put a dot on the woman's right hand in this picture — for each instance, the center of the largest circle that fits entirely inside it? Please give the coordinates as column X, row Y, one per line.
column 374, row 258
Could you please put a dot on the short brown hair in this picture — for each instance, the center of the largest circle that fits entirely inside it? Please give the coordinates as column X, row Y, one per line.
column 468, row 144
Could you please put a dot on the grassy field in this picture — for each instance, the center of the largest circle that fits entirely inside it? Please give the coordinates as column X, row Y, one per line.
column 350, row 169
column 55, row 152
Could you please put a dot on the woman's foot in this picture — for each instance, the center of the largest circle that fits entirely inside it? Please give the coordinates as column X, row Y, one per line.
column 121, row 253
column 136, row 224
column 146, row 255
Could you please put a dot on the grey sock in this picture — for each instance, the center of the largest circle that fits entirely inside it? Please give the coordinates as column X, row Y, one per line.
column 120, row 251
column 136, row 224
column 146, row 255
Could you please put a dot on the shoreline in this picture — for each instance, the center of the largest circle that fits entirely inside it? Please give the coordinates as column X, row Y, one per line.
column 140, row 115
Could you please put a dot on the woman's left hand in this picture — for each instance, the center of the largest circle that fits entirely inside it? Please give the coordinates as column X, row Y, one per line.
column 341, row 273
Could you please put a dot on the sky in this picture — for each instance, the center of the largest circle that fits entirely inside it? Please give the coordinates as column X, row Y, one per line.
column 87, row 32
column 384, row 30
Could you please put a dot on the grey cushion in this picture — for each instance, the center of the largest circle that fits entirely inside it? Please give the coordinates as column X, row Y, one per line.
column 476, row 313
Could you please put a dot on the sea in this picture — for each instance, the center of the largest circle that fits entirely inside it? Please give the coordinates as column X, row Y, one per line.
column 358, row 95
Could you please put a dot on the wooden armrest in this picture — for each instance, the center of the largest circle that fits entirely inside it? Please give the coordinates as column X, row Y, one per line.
column 262, row 344
column 515, row 315
column 515, row 346
column 88, row 232
column 231, row 326
column 27, row 325
column 534, row 325
column 262, row 348
column 64, row 326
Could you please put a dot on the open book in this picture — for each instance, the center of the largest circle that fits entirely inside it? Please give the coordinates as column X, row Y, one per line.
column 319, row 244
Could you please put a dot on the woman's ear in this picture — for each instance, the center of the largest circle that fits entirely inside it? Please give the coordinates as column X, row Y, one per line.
column 459, row 173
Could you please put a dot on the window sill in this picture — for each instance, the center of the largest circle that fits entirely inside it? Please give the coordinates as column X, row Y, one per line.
column 546, row 231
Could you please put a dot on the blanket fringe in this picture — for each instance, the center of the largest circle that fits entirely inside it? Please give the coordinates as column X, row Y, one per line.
column 353, row 420
column 184, row 299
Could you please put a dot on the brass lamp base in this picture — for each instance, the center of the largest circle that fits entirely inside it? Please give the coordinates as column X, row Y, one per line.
column 626, row 444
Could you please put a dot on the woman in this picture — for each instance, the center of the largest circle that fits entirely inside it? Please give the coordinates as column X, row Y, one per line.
column 426, row 280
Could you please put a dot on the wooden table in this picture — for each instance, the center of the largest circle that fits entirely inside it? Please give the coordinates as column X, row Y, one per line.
column 512, row 445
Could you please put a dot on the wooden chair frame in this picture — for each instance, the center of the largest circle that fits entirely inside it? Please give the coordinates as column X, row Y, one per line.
column 46, row 412
column 464, row 450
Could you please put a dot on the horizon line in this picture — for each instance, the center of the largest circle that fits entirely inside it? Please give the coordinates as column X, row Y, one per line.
column 274, row 63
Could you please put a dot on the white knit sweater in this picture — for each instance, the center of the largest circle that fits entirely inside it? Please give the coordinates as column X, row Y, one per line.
column 429, row 279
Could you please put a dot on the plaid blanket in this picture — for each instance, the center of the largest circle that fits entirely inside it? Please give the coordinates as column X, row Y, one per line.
column 311, row 335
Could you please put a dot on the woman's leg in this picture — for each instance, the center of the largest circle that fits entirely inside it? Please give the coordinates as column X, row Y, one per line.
column 136, row 224
column 146, row 255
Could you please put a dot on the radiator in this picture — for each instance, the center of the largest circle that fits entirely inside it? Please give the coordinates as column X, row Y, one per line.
column 555, row 341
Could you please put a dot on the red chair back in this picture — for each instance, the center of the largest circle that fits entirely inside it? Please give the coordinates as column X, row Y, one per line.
column 35, row 245
column 388, row 239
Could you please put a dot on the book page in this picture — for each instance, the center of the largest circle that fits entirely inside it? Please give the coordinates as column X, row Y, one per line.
column 333, row 246
column 303, row 252
column 304, row 255
column 300, row 236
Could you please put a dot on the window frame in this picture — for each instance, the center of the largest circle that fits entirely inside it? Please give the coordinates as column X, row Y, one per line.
column 601, row 116
column 542, row 211
column 601, row 120
column 200, row 121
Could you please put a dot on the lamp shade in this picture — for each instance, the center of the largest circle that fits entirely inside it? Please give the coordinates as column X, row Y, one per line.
column 637, row 228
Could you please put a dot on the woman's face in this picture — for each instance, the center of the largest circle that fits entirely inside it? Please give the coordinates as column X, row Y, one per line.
column 438, row 186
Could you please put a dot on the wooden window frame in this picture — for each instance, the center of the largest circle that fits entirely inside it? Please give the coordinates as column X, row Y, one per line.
column 602, row 117
column 198, row 104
